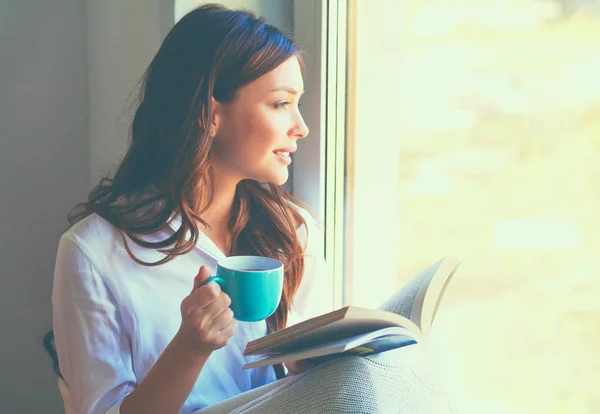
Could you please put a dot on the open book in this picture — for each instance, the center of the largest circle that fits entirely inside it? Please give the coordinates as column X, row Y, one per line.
column 404, row 319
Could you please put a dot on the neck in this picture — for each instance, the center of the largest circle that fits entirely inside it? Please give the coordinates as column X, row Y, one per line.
column 219, row 212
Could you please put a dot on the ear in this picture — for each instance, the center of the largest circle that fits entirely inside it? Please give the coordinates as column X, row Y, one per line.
column 217, row 116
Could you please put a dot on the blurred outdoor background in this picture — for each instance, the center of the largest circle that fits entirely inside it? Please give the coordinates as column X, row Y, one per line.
column 500, row 164
column 498, row 121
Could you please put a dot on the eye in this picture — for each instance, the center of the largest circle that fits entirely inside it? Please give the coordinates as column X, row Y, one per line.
column 281, row 105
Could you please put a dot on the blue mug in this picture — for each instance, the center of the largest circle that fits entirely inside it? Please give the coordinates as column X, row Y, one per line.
column 253, row 283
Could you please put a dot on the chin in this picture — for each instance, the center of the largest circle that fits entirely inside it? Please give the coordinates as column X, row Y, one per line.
column 280, row 181
column 277, row 178
column 277, row 175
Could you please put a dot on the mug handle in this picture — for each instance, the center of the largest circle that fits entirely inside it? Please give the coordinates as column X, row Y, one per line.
column 217, row 279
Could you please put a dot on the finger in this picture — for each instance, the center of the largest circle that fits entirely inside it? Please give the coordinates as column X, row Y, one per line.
column 204, row 297
column 223, row 319
column 203, row 274
column 299, row 366
column 220, row 304
column 291, row 367
column 225, row 334
column 230, row 329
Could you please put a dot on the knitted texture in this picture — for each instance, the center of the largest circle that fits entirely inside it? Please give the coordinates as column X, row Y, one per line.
column 405, row 380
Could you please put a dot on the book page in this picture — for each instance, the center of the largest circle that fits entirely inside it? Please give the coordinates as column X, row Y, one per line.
column 362, row 321
column 408, row 300
column 435, row 291
column 366, row 344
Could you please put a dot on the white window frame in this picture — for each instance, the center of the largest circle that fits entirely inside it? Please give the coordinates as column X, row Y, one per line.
column 318, row 169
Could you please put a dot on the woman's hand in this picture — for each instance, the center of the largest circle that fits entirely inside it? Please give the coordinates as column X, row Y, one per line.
column 206, row 320
column 298, row 367
column 206, row 324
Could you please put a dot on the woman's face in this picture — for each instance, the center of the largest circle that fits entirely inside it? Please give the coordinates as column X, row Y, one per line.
column 257, row 131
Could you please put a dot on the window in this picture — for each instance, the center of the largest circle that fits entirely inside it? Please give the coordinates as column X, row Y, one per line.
column 473, row 129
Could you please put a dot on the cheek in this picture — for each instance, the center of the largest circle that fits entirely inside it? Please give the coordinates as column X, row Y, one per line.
column 266, row 131
column 248, row 138
column 236, row 134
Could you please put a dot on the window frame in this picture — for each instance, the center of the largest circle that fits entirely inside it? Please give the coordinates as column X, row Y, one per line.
column 320, row 29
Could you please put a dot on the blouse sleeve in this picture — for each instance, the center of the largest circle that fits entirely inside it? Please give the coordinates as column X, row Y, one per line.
column 93, row 349
column 315, row 293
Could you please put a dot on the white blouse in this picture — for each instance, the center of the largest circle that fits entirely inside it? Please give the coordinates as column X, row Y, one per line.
column 114, row 317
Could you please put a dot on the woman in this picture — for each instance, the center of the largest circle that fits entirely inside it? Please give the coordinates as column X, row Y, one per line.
column 211, row 140
column 136, row 331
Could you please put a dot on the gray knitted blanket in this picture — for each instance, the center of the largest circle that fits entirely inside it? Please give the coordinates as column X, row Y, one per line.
column 407, row 380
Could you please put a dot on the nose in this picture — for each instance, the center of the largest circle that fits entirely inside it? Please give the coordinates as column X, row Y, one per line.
column 300, row 129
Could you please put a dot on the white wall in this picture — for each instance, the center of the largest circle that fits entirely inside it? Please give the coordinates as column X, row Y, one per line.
column 123, row 37
column 44, row 170
column 276, row 12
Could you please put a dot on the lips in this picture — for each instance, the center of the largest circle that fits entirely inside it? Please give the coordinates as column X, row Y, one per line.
column 285, row 151
column 283, row 154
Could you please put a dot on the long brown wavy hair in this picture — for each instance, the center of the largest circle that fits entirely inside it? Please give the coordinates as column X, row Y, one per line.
column 167, row 170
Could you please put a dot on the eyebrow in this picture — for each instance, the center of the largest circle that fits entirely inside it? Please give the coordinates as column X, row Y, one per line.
column 287, row 89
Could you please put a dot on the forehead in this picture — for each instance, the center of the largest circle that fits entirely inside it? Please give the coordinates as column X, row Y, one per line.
column 286, row 75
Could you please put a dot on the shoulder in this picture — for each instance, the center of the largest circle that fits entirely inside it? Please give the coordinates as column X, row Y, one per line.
column 107, row 247
column 83, row 256
column 93, row 234
column 86, row 252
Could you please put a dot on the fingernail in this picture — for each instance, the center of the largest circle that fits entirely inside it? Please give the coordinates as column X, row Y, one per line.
column 215, row 287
